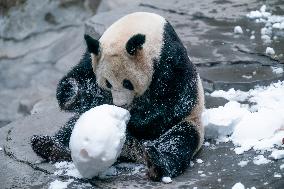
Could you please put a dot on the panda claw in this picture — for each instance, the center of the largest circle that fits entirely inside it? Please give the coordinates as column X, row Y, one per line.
column 155, row 170
column 49, row 148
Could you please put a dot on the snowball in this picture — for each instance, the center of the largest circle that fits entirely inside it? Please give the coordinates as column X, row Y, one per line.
column 260, row 159
column 97, row 139
column 199, row 161
column 57, row 184
column 262, row 8
column 243, row 163
column 238, row 186
column 166, row 180
column 266, row 38
column 277, row 154
column 269, row 51
column 238, row 30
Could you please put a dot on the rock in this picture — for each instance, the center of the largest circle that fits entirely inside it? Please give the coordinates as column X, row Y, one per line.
column 20, row 167
column 32, row 61
column 108, row 5
column 240, row 75
column 33, row 18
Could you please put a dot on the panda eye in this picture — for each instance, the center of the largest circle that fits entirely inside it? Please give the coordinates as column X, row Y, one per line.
column 128, row 85
column 108, row 84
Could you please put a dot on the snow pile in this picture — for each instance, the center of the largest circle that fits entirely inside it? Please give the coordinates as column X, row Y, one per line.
column 166, row 180
column 243, row 163
column 258, row 124
column 272, row 23
column 277, row 154
column 57, row 184
column 277, row 70
column 238, row 186
column 238, row 30
column 260, row 159
column 97, row 139
column 269, row 51
column 223, row 125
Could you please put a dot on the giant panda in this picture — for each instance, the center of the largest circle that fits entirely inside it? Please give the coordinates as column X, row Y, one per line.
column 140, row 64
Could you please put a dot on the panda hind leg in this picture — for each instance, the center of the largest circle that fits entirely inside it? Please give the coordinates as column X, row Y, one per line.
column 55, row 148
column 170, row 154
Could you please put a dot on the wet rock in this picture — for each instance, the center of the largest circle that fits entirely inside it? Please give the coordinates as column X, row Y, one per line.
column 240, row 75
column 108, row 5
column 32, row 17
column 33, row 60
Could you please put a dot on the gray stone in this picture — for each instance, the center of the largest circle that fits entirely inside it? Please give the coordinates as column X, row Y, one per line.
column 206, row 28
column 240, row 75
column 33, row 60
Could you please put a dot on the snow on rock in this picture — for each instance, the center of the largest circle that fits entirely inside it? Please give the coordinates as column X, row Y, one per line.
column 221, row 121
column 260, row 159
column 238, row 186
column 97, row 139
column 243, row 163
column 269, row 51
column 1, row 149
column 257, row 125
column 271, row 23
column 277, row 175
column 238, row 30
column 277, row 70
column 67, row 168
column 281, row 167
column 57, row 184
column 199, row 161
column 277, row 154
column 166, row 180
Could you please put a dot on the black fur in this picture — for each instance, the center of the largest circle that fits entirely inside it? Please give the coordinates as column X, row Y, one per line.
column 168, row 143
column 88, row 94
column 93, row 45
column 135, row 43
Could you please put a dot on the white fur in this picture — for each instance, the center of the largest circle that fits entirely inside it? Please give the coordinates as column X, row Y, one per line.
column 115, row 64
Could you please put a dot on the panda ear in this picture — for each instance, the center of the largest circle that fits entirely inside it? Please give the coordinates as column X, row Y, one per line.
column 135, row 43
column 93, row 45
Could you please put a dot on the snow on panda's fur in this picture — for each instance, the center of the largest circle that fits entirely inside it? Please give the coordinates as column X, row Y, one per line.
column 139, row 63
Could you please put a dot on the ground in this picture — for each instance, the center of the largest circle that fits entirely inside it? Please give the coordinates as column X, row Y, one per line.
column 33, row 60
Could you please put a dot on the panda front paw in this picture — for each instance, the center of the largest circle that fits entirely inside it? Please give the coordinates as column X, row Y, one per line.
column 155, row 162
column 49, row 148
column 67, row 92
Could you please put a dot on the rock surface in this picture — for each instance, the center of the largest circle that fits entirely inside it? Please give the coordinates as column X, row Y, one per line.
column 220, row 169
column 32, row 61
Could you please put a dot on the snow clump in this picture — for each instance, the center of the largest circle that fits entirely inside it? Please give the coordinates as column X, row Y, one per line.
column 97, row 139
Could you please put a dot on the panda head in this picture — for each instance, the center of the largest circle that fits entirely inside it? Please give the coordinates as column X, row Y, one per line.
column 122, row 59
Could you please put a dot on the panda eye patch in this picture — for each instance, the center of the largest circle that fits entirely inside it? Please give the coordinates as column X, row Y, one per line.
column 128, row 85
column 108, row 84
